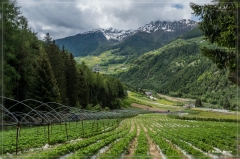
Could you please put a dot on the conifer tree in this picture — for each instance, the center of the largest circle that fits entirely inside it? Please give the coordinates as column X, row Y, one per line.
column 44, row 87
column 83, row 95
column 71, row 81
column 218, row 23
column 10, row 30
column 20, row 48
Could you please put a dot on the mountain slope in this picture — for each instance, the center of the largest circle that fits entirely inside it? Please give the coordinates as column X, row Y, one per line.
column 84, row 44
column 183, row 72
column 142, row 42
column 150, row 36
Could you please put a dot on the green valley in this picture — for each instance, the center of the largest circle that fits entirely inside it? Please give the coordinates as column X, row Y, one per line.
column 165, row 90
column 176, row 69
column 106, row 62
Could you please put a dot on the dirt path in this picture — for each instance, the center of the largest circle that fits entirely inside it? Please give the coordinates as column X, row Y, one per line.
column 132, row 127
column 153, row 150
column 147, row 107
column 132, row 146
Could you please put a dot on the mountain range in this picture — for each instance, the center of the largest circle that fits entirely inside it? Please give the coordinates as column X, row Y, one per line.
column 155, row 34
column 160, row 56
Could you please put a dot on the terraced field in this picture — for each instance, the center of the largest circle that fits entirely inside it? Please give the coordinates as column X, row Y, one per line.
column 143, row 136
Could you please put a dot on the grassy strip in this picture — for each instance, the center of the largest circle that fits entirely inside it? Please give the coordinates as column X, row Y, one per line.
column 174, row 116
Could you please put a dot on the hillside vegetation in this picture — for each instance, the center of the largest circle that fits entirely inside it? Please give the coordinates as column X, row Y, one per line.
column 85, row 44
column 142, row 42
column 42, row 71
column 177, row 69
column 181, row 71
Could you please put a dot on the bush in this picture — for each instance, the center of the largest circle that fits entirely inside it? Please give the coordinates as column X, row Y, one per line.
column 106, row 109
column 212, row 101
column 97, row 107
column 89, row 107
column 78, row 105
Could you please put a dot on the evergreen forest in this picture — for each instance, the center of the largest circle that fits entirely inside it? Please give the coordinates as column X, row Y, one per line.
column 41, row 70
column 182, row 71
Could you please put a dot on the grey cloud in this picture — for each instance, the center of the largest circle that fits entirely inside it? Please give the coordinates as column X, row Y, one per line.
column 69, row 18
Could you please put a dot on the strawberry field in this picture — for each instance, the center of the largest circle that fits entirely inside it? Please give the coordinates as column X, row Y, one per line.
column 141, row 136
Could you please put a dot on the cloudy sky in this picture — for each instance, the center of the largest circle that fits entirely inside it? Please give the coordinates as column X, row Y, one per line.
column 67, row 18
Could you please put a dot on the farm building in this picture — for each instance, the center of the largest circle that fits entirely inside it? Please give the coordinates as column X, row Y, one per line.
column 149, row 94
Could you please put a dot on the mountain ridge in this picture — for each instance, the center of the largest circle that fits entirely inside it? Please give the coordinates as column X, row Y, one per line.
column 153, row 26
column 98, row 40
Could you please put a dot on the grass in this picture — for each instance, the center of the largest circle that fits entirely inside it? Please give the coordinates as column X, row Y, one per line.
column 104, row 57
column 159, row 103
column 120, row 67
column 213, row 114
column 114, row 68
column 169, row 105
column 126, row 102
column 93, row 60
column 179, row 42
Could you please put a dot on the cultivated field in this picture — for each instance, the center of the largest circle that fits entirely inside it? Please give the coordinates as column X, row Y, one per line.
column 142, row 136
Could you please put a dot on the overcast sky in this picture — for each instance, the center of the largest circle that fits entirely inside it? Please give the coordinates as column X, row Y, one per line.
column 68, row 18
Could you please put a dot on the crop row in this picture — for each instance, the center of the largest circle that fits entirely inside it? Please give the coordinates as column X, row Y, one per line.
column 142, row 146
column 175, row 138
column 171, row 134
column 72, row 147
column 190, row 150
column 193, row 135
column 32, row 137
column 204, row 140
column 94, row 148
column 167, row 149
column 120, row 146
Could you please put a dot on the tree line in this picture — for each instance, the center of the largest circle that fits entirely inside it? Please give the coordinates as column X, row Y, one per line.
column 41, row 70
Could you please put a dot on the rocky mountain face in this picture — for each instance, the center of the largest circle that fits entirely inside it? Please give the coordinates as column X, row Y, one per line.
column 167, row 26
column 113, row 34
column 99, row 40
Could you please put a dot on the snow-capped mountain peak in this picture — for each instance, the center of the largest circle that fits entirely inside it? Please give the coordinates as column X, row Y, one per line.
column 166, row 26
column 113, row 34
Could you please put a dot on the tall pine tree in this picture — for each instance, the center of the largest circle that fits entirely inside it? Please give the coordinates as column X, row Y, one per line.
column 44, row 87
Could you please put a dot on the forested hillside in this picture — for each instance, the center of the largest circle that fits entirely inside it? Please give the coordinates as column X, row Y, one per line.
column 142, row 42
column 127, row 42
column 183, row 72
column 86, row 44
column 42, row 71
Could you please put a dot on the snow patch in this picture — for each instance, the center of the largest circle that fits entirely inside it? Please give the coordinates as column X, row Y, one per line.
column 119, row 35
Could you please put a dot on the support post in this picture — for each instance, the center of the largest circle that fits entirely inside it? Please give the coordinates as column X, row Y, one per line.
column 82, row 129
column 48, row 134
column 17, row 136
column 66, row 130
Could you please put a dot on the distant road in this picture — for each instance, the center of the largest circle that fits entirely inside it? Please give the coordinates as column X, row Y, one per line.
column 217, row 110
column 192, row 100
